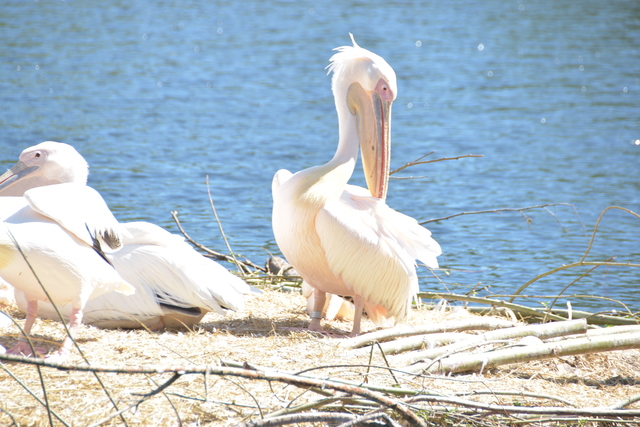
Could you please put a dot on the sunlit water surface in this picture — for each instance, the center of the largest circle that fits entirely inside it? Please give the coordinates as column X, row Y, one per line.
column 160, row 97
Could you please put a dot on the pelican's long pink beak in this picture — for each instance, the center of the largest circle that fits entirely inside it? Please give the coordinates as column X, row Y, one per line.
column 374, row 127
column 10, row 181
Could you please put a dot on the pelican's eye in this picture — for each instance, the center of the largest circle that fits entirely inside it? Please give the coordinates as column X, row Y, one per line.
column 37, row 154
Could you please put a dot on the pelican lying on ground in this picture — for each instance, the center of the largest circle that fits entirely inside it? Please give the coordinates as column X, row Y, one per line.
column 175, row 285
column 63, row 231
column 344, row 239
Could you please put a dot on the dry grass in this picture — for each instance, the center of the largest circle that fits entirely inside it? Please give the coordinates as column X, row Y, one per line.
column 270, row 332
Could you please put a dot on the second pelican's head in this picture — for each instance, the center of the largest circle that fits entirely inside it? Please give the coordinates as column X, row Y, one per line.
column 44, row 164
column 365, row 84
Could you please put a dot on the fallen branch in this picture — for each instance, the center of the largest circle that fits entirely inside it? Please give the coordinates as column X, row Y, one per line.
column 592, row 412
column 492, row 302
column 543, row 331
column 313, row 417
column 404, row 331
column 569, row 347
column 247, row 373
column 519, row 393
column 322, row 403
column 416, row 343
column 626, row 402
column 596, row 318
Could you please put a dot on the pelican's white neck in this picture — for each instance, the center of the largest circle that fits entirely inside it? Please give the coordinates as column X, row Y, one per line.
column 319, row 184
column 349, row 141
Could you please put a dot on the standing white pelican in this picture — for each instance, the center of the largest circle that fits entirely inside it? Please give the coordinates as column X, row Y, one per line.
column 175, row 285
column 343, row 239
column 53, row 249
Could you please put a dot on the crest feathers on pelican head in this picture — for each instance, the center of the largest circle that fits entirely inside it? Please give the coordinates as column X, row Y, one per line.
column 351, row 62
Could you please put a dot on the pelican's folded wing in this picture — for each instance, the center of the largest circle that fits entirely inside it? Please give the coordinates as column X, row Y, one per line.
column 364, row 252
column 178, row 275
column 80, row 210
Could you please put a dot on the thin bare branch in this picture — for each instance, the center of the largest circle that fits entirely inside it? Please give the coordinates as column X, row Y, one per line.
column 518, row 393
column 312, row 417
column 247, row 373
column 572, row 265
column 247, row 264
column 224, row 236
column 419, row 161
column 595, row 229
column 498, row 211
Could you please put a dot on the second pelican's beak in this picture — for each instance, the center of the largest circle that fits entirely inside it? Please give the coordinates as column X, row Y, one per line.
column 374, row 127
column 7, row 180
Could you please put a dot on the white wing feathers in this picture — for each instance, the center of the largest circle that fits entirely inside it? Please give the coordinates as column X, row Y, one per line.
column 416, row 240
column 80, row 210
column 386, row 244
column 177, row 274
column 167, row 274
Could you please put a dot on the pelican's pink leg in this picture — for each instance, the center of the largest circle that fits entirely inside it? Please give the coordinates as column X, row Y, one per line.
column 75, row 319
column 316, row 315
column 22, row 348
column 358, row 302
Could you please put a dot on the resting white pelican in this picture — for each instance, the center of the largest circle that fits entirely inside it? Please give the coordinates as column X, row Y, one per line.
column 175, row 285
column 63, row 232
column 343, row 239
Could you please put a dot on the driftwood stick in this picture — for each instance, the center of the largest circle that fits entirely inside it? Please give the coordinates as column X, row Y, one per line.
column 550, row 410
column 626, row 402
column 623, row 329
column 415, row 343
column 563, row 314
column 492, row 302
column 372, row 416
column 312, row 417
column 405, row 331
column 555, row 314
column 543, row 331
column 596, row 318
column 519, row 393
column 476, row 362
column 322, row 403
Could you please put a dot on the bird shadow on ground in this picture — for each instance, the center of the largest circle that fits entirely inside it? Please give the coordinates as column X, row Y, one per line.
column 265, row 326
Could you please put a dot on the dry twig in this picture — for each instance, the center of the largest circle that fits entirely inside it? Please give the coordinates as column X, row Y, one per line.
column 419, row 161
column 521, row 210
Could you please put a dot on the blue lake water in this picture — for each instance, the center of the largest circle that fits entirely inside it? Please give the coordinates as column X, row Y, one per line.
column 158, row 96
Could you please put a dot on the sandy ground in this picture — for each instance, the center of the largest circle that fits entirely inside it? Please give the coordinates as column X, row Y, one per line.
column 270, row 333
